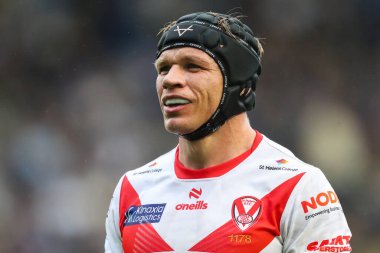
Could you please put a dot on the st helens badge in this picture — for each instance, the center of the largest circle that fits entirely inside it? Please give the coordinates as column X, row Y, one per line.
column 245, row 211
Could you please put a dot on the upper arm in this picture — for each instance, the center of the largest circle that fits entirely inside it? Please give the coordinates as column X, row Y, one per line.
column 314, row 217
column 113, row 238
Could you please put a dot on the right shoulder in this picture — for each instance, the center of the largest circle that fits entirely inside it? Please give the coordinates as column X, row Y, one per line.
column 162, row 162
column 126, row 190
column 161, row 165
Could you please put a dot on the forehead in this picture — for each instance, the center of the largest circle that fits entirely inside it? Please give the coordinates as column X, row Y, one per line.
column 185, row 53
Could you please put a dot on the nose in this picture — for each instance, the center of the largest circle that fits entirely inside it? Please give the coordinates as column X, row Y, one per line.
column 174, row 78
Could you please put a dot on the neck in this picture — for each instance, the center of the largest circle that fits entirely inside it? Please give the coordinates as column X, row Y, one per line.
column 231, row 140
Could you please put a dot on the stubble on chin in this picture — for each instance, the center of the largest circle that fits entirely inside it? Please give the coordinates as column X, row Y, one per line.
column 175, row 127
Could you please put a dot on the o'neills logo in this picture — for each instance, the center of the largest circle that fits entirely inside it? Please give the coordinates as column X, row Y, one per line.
column 245, row 211
column 198, row 205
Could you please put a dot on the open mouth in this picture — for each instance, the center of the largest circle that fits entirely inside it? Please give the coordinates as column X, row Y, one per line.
column 171, row 102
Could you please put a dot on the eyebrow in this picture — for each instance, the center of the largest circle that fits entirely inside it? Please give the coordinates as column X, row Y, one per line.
column 158, row 62
column 192, row 58
column 188, row 58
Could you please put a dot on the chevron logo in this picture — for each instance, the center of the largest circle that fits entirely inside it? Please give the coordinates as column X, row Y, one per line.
column 181, row 31
column 195, row 193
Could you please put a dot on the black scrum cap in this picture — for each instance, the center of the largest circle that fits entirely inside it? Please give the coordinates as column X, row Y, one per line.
column 235, row 50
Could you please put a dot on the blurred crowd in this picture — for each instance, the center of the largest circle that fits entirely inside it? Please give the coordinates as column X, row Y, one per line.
column 78, row 106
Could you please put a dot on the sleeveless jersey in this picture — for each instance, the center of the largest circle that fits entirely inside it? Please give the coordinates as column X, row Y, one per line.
column 265, row 200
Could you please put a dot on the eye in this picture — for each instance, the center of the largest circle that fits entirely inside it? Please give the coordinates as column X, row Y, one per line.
column 193, row 67
column 163, row 70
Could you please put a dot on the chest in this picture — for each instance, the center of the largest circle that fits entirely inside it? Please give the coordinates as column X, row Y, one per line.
column 205, row 216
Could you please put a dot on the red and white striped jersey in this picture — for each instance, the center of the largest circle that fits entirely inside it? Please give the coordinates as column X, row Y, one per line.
column 265, row 200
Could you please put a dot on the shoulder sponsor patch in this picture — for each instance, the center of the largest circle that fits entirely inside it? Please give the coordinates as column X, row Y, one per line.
column 340, row 243
column 322, row 203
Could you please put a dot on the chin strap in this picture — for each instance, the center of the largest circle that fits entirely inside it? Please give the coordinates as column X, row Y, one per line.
column 238, row 100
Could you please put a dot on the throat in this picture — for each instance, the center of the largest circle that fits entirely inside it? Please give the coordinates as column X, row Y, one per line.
column 209, row 152
column 195, row 158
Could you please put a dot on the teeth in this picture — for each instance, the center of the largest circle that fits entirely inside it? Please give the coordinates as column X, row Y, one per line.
column 177, row 101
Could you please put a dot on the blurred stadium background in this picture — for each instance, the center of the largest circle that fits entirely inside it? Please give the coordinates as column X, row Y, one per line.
column 78, row 106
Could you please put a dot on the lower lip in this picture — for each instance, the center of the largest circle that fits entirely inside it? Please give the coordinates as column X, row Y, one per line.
column 173, row 109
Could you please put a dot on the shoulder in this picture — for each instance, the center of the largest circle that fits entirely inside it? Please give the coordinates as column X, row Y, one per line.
column 279, row 157
column 148, row 173
column 157, row 165
column 313, row 182
column 275, row 147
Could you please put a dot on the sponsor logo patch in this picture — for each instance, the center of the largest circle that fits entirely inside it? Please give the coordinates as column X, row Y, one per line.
column 340, row 243
column 245, row 211
column 279, row 166
column 152, row 168
column 150, row 213
column 150, row 171
column 282, row 161
column 322, row 199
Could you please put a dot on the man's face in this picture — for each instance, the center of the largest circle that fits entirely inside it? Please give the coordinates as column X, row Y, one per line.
column 189, row 87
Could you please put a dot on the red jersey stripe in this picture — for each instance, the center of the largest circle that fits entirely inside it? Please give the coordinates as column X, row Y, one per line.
column 215, row 171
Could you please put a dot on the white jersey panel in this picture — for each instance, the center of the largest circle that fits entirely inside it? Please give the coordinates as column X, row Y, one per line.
column 269, row 202
column 113, row 238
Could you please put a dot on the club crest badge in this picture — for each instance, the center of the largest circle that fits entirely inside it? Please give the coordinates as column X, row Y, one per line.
column 245, row 211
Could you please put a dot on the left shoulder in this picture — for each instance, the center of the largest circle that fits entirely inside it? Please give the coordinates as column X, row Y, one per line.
column 282, row 156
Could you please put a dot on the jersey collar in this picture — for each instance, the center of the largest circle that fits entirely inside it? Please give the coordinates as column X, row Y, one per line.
column 183, row 172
